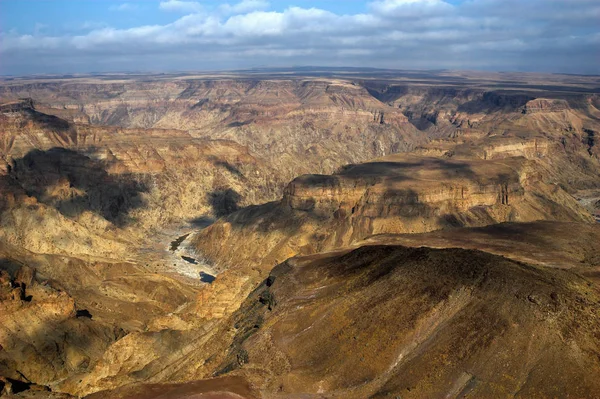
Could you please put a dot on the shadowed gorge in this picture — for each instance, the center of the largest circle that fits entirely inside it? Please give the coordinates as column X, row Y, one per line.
column 301, row 233
column 74, row 183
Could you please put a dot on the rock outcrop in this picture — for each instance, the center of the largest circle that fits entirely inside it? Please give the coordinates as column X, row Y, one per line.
column 545, row 105
column 42, row 338
column 396, row 194
column 299, row 126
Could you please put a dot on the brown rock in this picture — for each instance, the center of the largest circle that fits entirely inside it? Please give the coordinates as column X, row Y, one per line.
column 17, row 294
column 5, row 279
column 25, row 275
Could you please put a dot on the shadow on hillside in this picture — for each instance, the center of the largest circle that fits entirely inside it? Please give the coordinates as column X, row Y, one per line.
column 233, row 169
column 11, row 266
column 230, row 168
column 400, row 171
column 74, row 183
column 52, row 123
column 201, row 222
column 492, row 101
column 538, row 233
column 224, row 201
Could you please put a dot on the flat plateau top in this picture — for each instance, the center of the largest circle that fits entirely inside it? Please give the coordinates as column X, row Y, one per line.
column 492, row 80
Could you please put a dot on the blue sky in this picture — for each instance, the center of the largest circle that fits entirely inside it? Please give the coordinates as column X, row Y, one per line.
column 66, row 36
column 66, row 15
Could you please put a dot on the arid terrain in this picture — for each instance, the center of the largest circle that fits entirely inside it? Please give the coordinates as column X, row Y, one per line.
column 300, row 233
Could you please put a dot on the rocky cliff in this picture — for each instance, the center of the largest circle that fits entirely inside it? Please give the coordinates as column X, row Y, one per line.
column 396, row 194
column 300, row 126
column 558, row 130
column 83, row 186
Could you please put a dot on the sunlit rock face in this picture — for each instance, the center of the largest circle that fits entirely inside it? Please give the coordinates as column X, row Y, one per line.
column 395, row 194
column 385, row 316
column 299, row 126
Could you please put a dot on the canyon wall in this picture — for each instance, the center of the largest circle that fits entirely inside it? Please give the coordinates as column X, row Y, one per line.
column 99, row 174
column 299, row 126
column 396, row 194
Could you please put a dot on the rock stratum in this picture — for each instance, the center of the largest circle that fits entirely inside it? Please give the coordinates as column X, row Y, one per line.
column 283, row 234
column 299, row 126
column 396, row 194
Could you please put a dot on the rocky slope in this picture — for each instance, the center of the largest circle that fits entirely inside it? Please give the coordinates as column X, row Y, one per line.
column 396, row 194
column 315, row 125
column 299, row 126
column 556, row 128
column 95, row 190
column 215, row 388
column 391, row 321
column 416, row 323
column 543, row 243
column 79, row 206
column 99, row 175
column 60, row 313
column 188, row 353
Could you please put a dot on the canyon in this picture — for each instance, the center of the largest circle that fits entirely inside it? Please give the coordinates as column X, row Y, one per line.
column 286, row 234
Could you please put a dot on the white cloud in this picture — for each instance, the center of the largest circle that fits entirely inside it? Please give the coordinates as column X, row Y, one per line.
column 244, row 6
column 393, row 33
column 412, row 8
column 258, row 23
column 180, row 6
column 123, row 7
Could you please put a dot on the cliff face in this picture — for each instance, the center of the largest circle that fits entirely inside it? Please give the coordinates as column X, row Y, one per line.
column 545, row 105
column 190, row 103
column 418, row 194
column 94, row 184
column 557, row 131
column 317, row 125
column 299, row 126
column 396, row 194
column 396, row 186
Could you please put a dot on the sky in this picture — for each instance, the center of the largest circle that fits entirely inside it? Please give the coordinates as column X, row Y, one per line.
column 82, row 36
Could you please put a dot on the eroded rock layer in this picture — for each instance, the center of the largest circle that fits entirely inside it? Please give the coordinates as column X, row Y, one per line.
column 396, row 194
column 300, row 126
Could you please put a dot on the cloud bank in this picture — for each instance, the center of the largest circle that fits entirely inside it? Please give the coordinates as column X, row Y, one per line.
column 524, row 35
